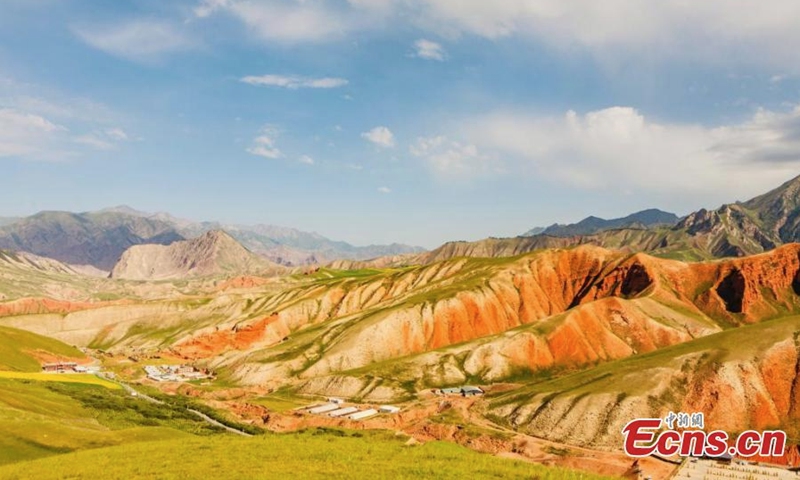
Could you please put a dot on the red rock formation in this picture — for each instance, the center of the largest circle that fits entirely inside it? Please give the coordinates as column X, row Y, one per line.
column 268, row 330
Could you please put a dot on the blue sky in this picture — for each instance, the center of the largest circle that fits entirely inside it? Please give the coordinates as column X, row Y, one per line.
column 414, row 121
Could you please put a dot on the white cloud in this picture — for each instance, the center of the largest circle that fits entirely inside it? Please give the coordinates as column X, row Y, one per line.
column 380, row 136
column 138, row 40
column 116, row 134
column 207, row 7
column 384, row 190
column 107, row 139
column 756, row 30
column 618, row 147
column 94, row 141
column 720, row 31
column 38, row 123
column 453, row 159
column 264, row 144
column 26, row 135
column 429, row 50
column 294, row 81
column 288, row 21
column 305, row 159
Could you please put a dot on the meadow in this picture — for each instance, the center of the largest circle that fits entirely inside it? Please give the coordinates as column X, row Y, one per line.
column 311, row 454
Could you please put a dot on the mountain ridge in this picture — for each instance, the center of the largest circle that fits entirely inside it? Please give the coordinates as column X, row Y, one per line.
column 100, row 237
column 732, row 230
column 592, row 224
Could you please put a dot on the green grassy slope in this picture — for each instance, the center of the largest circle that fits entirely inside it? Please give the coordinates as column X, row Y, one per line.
column 308, row 455
column 18, row 346
column 42, row 419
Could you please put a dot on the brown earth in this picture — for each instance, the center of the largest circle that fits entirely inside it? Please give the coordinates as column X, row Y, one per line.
column 33, row 306
column 242, row 282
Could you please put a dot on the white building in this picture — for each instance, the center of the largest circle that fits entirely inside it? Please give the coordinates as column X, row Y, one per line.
column 342, row 412
column 328, row 407
column 362, row 415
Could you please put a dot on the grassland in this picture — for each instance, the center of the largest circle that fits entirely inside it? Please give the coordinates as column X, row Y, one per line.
column 40, row 419
column 59, row 430
column 80, row 378
column 309, row 455
column 18, row 347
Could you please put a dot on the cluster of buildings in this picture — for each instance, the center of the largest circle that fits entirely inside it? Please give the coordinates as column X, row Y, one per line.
column 729, row 468
column 465, row 391
column 68, row 367
column 335, row 408
column 174, row 373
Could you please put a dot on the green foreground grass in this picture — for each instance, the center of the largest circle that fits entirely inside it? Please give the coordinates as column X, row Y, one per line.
column 55, row 430
column 83, row 378
column 308, row 455
column 39, row 419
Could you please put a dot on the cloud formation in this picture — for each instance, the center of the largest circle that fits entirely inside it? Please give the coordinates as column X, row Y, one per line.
column 380, row 136
column 30, row 136
column 27, row 135
column 294, row 81
column 619, row 147
column 290, row 22
column 429, row 50
column 722, row 31
column 449, row 158
column 264, row 144
column 137, row 40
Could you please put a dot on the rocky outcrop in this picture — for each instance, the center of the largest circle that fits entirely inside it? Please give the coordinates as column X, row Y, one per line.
column 213, row 253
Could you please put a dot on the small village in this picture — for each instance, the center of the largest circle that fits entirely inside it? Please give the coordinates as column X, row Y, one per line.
column 730, row 468
column 464, row 391
column 175, row 373
column 69, row 367
column 336, row 408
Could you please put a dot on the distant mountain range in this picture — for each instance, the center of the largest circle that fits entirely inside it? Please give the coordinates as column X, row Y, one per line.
column 95, row 238
column 733, row 230
column 589, row 225
column 99, row 238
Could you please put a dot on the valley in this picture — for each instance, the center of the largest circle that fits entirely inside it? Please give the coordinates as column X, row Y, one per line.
column 567, row 342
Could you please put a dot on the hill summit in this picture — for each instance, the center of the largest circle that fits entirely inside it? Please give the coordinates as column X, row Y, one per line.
column 213, row 253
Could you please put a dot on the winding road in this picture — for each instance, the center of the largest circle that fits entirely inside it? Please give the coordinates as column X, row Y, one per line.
column 135, row 393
